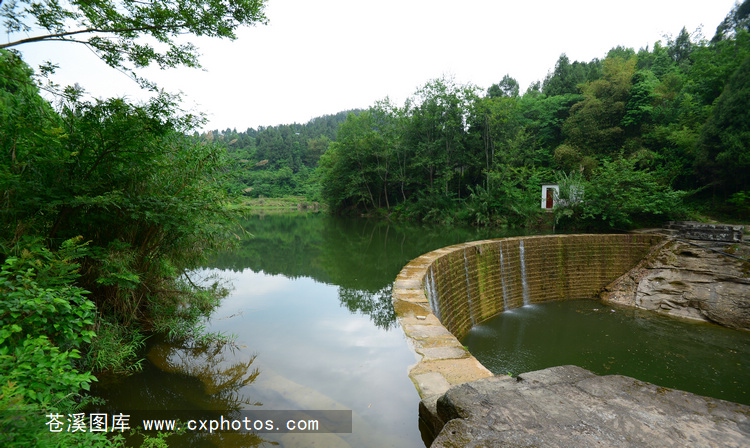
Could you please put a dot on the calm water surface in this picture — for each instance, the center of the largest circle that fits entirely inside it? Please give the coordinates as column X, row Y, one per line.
column 314, row 328
column 701, row 358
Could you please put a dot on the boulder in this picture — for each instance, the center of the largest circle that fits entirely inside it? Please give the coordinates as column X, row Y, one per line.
column 568, row 406
column 707, row 281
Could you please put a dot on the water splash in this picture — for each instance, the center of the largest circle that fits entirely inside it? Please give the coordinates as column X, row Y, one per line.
column 524, row 283
column 468, row 289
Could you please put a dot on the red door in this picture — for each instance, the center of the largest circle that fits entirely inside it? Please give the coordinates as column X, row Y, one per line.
column 550, row 196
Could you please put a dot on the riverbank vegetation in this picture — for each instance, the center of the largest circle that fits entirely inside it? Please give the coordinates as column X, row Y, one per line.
column 106, row 206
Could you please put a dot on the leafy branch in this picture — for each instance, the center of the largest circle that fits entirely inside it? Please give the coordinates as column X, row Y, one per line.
column 130, row 34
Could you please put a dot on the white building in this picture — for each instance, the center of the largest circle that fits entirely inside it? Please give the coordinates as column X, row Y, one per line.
column 550, row 195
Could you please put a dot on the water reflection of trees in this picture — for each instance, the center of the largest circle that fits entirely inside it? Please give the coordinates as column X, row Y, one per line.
column 222, row 378
column 361, row 256
column 376, row 304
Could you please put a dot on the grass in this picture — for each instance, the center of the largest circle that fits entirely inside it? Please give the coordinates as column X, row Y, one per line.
column 283, row 204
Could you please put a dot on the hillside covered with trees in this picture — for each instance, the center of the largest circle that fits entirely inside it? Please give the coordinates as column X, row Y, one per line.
column 281, row 160
column 639, row 133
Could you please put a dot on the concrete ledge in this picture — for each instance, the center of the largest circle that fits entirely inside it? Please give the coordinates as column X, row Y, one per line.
column 707, row 232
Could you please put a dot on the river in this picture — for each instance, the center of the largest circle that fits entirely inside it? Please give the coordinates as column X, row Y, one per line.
column 313, row 327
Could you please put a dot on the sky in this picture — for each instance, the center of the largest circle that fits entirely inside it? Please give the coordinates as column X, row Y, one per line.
column 321, row 57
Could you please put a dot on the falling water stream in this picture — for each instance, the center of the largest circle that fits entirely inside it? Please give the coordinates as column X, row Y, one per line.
column 524, row 283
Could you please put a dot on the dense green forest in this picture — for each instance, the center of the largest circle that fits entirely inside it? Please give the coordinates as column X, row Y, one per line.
column 643, row 136
column 278, row 161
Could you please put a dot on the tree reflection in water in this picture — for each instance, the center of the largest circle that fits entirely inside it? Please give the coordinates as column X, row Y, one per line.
column 222, row 380
column 222, row 377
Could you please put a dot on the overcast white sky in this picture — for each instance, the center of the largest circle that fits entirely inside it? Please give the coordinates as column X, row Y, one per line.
column 319, row 57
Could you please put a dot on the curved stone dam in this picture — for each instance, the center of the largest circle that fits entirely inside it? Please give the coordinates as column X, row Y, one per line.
column 440, row 295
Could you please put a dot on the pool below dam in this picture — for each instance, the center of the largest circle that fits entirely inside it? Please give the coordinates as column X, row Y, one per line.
column 702, row 358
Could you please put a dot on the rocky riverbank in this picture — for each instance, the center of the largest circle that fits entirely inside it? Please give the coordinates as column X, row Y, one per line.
column 694, row 279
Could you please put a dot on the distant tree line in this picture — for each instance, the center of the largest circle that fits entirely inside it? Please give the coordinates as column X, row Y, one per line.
column 281, row 160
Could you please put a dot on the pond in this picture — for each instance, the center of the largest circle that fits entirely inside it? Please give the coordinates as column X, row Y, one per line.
column 314, row 329
column 702, row 358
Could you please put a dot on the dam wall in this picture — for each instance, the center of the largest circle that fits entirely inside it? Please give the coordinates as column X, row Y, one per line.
column 478, row 281
column 440, row 295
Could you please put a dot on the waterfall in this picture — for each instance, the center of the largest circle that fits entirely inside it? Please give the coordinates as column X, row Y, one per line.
column 468, row 289
column 523, row 275
column 502, row 277
column 432, row 294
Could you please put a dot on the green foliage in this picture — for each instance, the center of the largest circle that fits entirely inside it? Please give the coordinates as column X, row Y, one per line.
column 115, row 348
column 179, row 315
column 122, row 33
column 618, row 195
column 44, row 321
column 39, row 298
column 280, row 161
column 567, row 77
column 23, row 425
column 725, row 138
column 126, row 178
column 448, row 153
column 595, row 124
column 511, row 200
column 741, row 203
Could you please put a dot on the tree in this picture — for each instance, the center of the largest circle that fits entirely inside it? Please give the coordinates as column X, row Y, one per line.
column 680, row 48
column 737, row 19
column 619, row 195
column 118, row 31
column 724, row 154
column 438, row 129
column 506, row 87
column 568, row 76
column 595, row 124
column 127, row 179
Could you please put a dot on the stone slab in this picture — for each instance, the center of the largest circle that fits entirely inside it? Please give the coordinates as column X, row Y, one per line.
column 426, row 331
column 455, row 371
column 707, row 232
column 443, row 353
column 568, row 406
column 431, row 383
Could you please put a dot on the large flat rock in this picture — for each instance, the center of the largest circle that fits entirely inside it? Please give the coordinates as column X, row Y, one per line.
column 568, row 406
